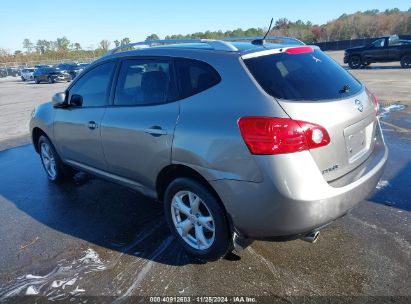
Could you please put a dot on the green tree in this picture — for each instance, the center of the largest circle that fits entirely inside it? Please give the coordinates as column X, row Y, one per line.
column 104, row 45
column 62, row 44
column 116, row 43
column 125, row 41
column 28, row 45
column 153, row 37
column 392, row 11
column 77, row 46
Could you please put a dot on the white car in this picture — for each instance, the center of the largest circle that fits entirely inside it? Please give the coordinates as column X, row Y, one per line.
column 27, row 74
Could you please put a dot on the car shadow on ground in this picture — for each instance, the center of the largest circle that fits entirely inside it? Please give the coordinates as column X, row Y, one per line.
column 90, row 209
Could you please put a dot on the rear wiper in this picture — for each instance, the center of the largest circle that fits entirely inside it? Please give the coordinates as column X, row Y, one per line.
column 345, row 89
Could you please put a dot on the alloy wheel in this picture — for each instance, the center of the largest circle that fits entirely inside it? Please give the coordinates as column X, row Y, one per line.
column 193, row 220
column 48, row 160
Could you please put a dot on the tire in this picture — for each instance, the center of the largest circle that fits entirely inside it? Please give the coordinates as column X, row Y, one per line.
column 355, row 62
column 366, row 63
column 36, row 80
column 207, row 239
column 23, row 79
column 406, row 62
column 50, row 80
column 56, row 171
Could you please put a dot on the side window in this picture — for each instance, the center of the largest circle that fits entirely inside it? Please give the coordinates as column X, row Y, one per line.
column 94, row 85
column 379, row 43
column 195, row 76
column 144, row 82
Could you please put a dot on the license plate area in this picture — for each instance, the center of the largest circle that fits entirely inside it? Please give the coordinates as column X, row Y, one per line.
column 358, row 139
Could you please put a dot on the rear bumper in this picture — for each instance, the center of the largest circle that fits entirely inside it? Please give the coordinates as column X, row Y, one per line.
column 294, row 198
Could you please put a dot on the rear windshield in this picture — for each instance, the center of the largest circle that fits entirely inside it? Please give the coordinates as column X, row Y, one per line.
column 304, row 76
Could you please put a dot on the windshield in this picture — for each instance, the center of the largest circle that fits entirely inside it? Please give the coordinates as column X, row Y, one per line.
column 303, row 76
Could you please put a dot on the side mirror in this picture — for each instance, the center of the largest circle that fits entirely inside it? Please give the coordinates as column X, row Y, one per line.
column 59, row 100
column 76, row 100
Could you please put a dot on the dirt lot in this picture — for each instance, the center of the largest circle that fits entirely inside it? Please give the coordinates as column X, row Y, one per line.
column 92, row 239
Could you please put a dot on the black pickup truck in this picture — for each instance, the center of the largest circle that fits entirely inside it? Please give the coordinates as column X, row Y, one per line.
column 384, row 49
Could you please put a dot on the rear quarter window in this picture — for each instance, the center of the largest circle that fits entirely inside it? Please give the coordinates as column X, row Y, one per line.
column 195, row 76
column 304, row 76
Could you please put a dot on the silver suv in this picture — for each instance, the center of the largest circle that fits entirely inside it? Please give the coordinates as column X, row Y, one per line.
column 238, row 140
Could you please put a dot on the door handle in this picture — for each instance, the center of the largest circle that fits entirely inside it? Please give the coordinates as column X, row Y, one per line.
column 92, row 125
column 155, row 131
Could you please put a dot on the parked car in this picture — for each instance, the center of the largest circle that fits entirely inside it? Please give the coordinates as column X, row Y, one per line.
column 71, row 68
column 238, row 141
column 50, row 75
column 27, row 74
column 38, row 66
column 384, row 49
column 13, row 71
column 3, row 73
column 80, row 68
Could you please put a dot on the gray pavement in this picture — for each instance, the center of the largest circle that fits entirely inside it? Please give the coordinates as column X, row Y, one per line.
column 17, row 100
column 388, row 81
column 90, row 238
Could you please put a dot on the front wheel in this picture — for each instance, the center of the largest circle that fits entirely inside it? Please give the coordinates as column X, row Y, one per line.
column 196, row 219
column 406, row 62
column 49, row 80
column 36, row 80
column 55, row 169
column 355, row 62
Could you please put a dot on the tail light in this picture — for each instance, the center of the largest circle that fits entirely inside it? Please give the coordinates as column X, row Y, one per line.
column 271, row 135
column 374, row 101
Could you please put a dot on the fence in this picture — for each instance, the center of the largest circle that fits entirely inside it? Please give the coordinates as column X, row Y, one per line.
column 345, row 44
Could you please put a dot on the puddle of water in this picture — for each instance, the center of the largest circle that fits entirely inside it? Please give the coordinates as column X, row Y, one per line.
column 384, row 111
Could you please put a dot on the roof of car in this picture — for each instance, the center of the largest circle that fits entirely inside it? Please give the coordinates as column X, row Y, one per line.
column 243, row 47
column 240, row 49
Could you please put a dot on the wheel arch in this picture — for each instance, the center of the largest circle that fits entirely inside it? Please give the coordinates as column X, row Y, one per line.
column 35, row 136
column 173, row 171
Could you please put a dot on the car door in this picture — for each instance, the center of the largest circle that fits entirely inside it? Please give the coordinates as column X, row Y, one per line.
column 378, row 51
column 137, row 129
column 394, row 46
column 77, row 130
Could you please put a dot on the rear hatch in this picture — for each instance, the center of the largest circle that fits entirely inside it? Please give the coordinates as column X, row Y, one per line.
column 312, row 87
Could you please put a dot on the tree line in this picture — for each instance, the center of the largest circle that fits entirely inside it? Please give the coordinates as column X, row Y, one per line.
column 370, row 23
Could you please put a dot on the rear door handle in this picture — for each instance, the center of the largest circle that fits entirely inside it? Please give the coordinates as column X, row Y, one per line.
column 155, row 131
column 92, row 125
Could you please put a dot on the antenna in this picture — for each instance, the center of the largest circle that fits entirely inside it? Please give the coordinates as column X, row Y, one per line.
column 262, row 41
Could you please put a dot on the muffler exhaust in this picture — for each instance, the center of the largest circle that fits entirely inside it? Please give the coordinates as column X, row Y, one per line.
column 311, row 237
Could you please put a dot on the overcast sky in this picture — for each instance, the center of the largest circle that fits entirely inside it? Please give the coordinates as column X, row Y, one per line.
column 90, row 21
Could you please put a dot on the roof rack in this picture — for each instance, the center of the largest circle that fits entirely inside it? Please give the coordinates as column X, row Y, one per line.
column 218, row 45
column 276, row 39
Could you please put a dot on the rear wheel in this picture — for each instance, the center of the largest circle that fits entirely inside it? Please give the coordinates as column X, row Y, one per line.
column 366, row 63
column 49, row 79
column 355, row 62
column 55, row 169
column 36, row 80
column 196, row 219
column 406, row 62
